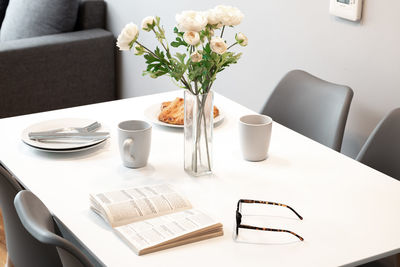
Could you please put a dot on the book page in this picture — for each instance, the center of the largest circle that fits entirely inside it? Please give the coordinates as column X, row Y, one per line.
column 160, row 230
column 133, row 204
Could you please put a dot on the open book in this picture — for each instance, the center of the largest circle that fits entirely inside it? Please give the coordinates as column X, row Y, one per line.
column 153, row 218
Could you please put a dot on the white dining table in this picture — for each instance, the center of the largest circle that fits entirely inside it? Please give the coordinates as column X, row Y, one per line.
column 351, row 212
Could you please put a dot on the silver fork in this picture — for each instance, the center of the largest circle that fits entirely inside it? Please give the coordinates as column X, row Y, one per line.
column 87, row 129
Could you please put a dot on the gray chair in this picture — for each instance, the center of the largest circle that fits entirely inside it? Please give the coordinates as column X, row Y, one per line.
column 381, row 151
column 38, row 221
column 59, row 70
column 23, row 249
column 19, row 241
column 310, row 106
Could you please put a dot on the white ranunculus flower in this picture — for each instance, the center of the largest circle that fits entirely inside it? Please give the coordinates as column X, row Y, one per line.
column 218, row 45
column 241, row 39
column 150, row 20
column 228, row 15
column 191, row 21
column 213, row 16
column 192, row 38
column 128, row 35
column 196, row 56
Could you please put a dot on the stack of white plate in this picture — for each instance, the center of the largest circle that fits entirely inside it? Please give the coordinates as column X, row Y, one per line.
column 61, row 146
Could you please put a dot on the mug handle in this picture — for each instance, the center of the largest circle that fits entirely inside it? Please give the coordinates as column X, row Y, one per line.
column 126, row 146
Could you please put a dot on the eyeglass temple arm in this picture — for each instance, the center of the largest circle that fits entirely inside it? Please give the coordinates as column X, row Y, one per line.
column 269, row 229
column 268, row 203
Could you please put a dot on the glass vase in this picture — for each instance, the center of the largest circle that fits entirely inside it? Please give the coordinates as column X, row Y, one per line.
column 198, row 133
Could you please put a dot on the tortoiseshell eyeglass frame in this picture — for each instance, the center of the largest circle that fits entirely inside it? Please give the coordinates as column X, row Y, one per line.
column 239, row 217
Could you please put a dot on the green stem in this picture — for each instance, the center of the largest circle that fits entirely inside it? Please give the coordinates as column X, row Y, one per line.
column 162, row 43
column 197, row 136
column 222, row 31
column 183, row 80
column 195, row 87
column 148, row 50
column 161, row 29
column 200, row 107
column 205, row 132
column 232, row 45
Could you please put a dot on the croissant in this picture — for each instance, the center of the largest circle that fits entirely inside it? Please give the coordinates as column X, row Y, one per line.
column 172, row 112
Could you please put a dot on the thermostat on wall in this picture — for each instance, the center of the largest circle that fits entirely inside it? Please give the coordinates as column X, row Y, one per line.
column 347, row 9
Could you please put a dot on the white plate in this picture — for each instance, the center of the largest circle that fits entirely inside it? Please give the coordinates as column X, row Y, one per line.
column 152, row 112
column 60, row 146
column 70, row 150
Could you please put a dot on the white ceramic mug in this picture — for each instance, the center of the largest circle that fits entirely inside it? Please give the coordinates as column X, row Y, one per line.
column 255, row 136
column 134, row 139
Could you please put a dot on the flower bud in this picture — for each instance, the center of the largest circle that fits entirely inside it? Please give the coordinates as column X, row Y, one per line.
column 241, row 39
column 196, row 56
column 138, row 50
column 148, row 23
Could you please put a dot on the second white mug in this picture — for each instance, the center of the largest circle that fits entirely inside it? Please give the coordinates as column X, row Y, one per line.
column 255, row 136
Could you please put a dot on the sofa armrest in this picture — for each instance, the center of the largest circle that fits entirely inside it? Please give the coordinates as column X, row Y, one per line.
column 91, row 15
column 56, row 71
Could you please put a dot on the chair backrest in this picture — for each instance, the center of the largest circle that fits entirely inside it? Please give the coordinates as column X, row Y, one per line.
column 313, row 107
column 381, row 151
column 38, row 221
column 23, row 250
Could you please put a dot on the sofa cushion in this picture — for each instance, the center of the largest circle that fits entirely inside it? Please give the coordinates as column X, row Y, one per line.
column 30, row 18
column 3, row 7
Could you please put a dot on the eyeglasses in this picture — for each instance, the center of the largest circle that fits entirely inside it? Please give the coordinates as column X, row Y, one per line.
column 243, row 226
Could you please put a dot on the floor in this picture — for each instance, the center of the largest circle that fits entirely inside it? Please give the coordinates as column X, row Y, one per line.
column 3, row 250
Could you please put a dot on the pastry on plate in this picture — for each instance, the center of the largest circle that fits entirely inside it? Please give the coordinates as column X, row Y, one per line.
column 172, row 112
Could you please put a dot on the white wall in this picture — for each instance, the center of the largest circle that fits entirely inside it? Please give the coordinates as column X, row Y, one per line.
column 285, row 35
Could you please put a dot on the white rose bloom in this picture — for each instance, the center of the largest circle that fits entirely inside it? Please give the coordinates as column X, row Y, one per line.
column 191, row 21
column 213, row 16
column 229, row 16
column 148, row 21
column 196, row 56
column 192, row 38
column 241, row 39
column 128, row 35
column 218, row 45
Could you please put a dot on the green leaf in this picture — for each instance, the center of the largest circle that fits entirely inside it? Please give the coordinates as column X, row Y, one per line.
column 181, row 57
column 175, row 44
column 179, row 41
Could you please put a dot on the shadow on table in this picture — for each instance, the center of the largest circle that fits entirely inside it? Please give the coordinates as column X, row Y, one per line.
column 72, row 155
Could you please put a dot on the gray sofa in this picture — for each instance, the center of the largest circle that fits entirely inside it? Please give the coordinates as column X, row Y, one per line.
column 61, row 70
